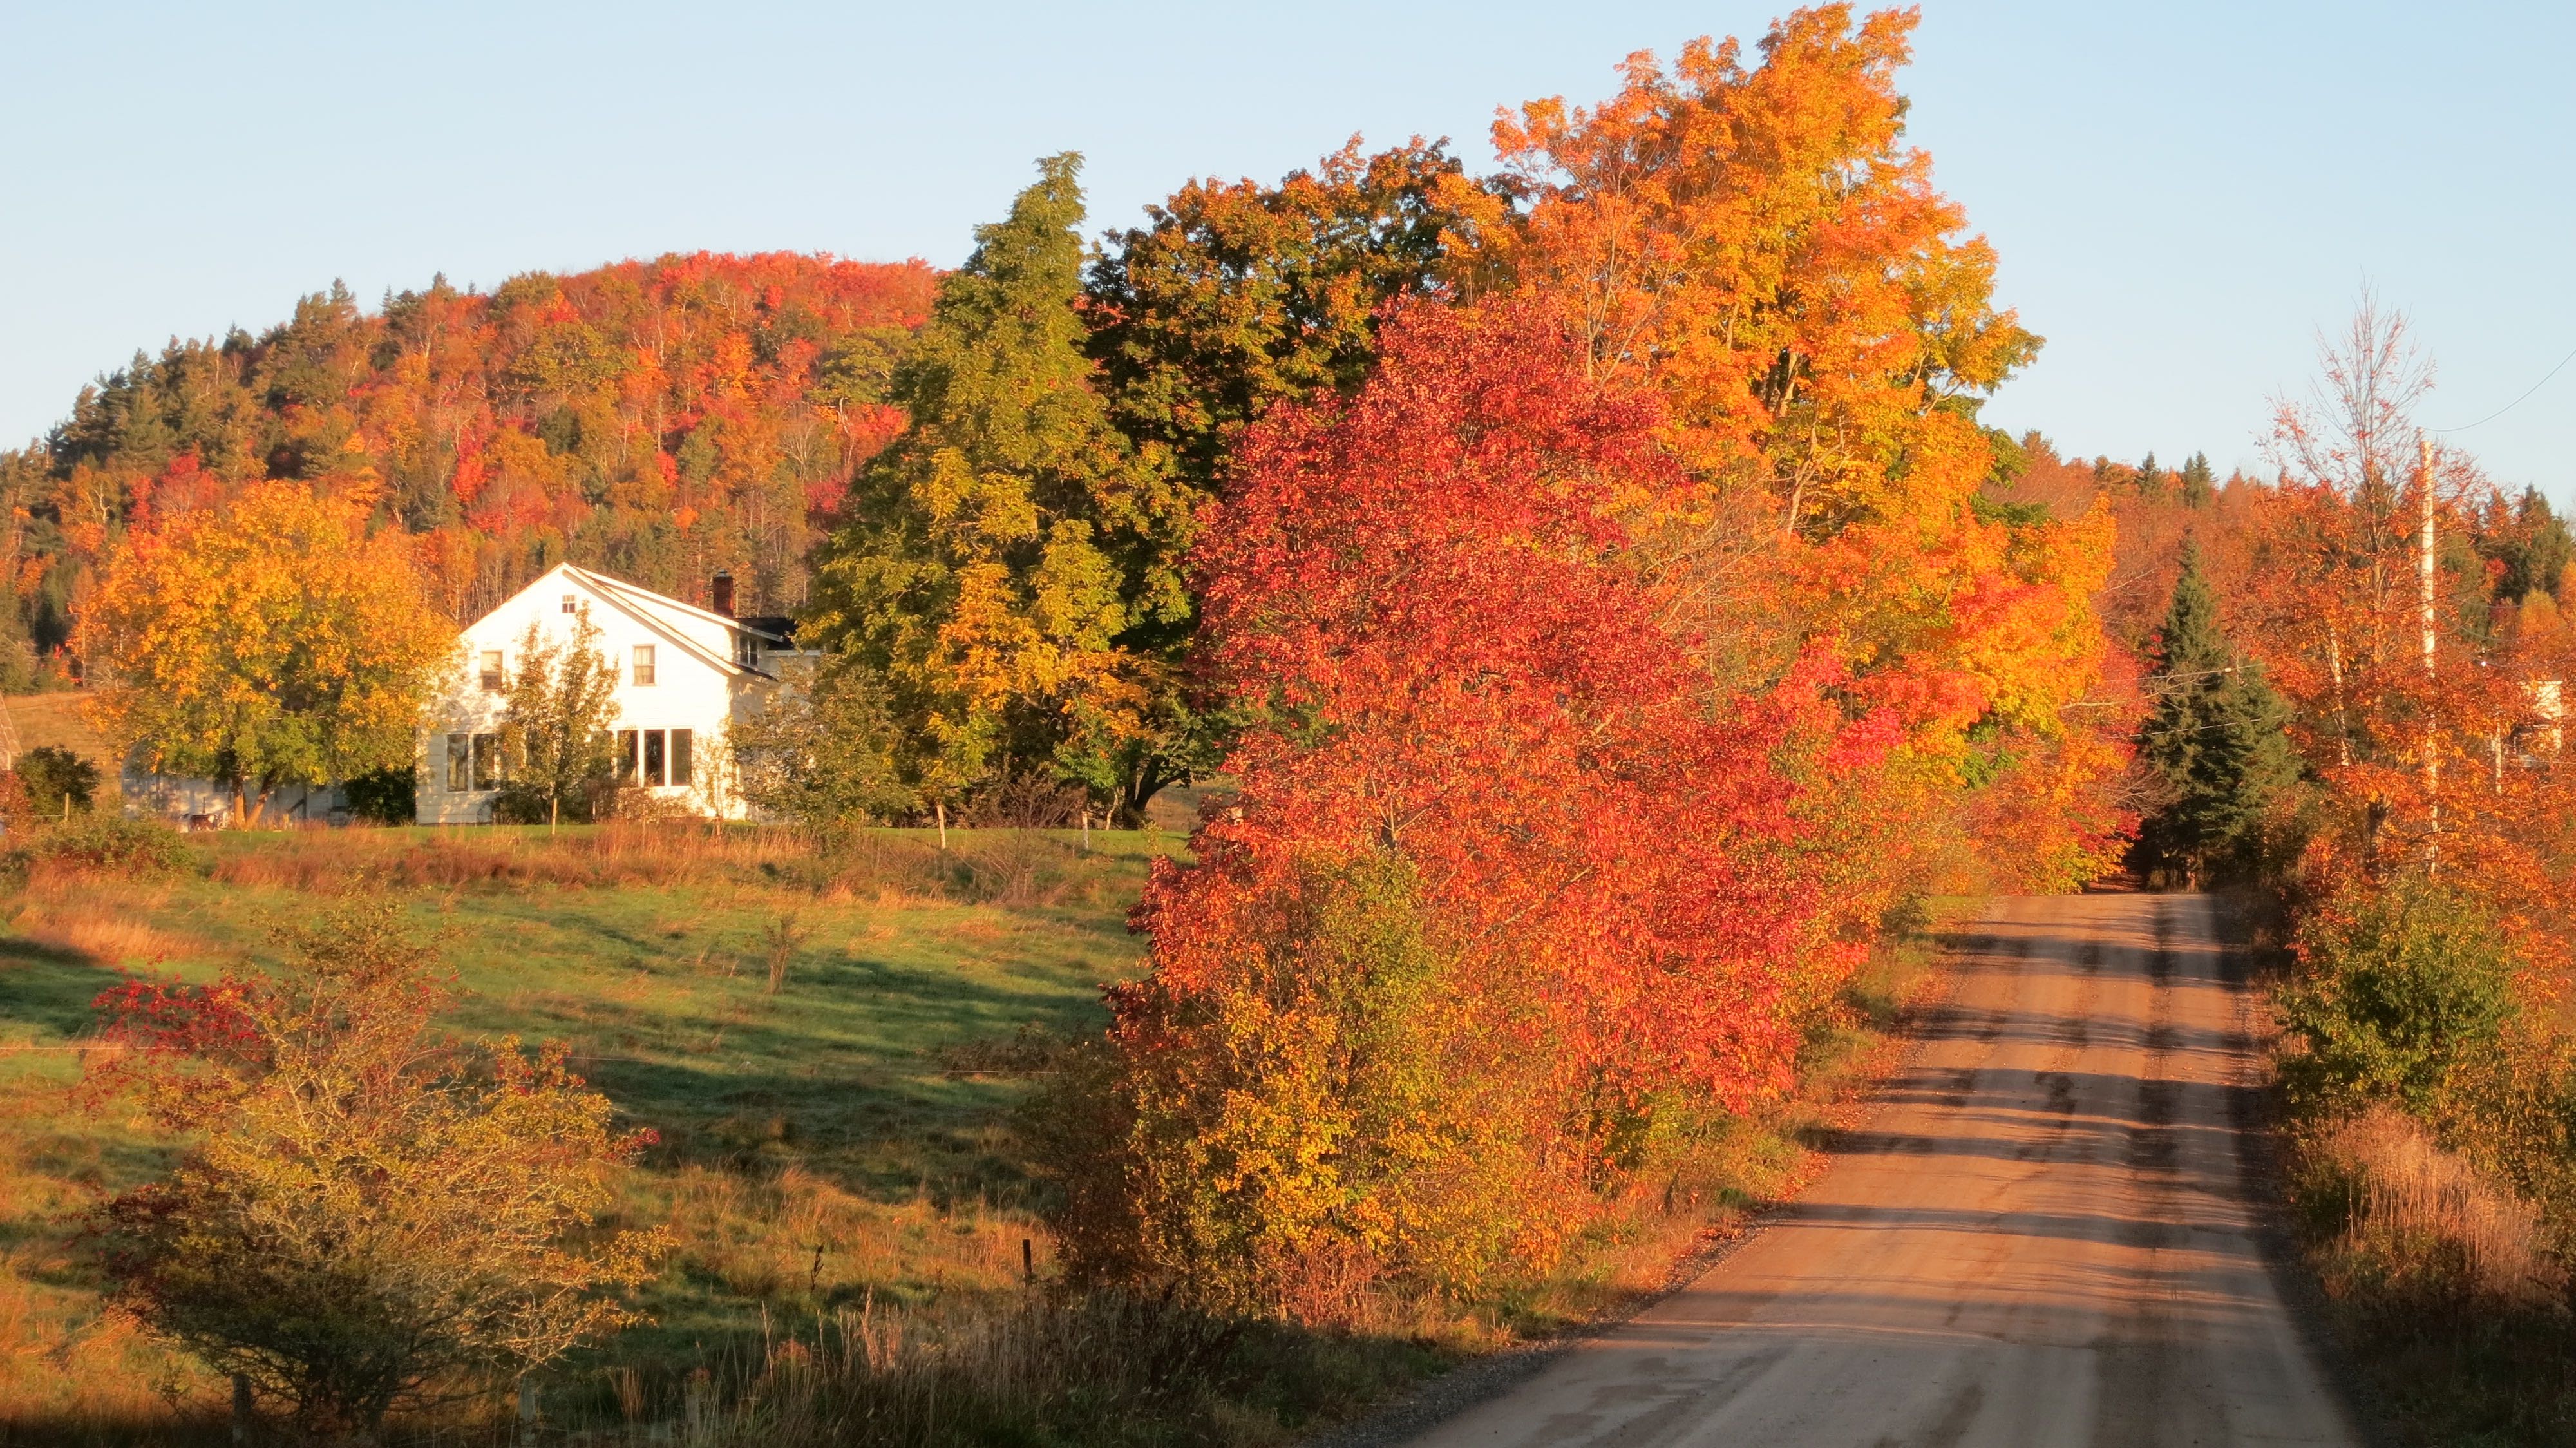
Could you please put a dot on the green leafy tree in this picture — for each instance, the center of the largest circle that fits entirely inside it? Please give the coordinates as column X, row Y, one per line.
column 2151, row 479
column 57, row 781
column 368, row 1217
column 555, row 725
column 2532, row 549
column 2395, row 997
column 822, row 751
column 2216, row 739
column 978, row 579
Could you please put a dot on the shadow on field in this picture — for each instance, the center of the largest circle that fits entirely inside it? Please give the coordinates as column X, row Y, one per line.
column 49, row 987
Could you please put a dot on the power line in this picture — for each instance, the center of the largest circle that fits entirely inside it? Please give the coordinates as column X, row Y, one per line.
column 2517, row 402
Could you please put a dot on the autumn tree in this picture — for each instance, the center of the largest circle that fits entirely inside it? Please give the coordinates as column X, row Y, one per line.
column 1232, row 298
column 279, row 639
column 1508, row 892
column 555, row 726
column 2217, row 740
column 1235, row 296
column 1759, row 244
column 975, row 577
column 367, row 1218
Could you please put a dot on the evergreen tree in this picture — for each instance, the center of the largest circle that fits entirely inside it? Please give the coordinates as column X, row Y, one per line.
column 2534, row 548
column 2199, row 482
column 2216, row 739
column 978, row 580
column 2151, row 479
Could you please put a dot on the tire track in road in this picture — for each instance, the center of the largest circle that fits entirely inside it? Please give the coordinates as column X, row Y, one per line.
column 2042, row 1239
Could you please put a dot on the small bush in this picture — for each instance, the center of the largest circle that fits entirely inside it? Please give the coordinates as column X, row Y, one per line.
column 385, row 796
column 104, row 841
column 2395, row 996
column 58, row 782
column 1274, row 1141
column 368, row 1217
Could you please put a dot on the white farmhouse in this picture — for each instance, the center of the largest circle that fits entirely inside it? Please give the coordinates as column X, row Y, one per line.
column 684, row 674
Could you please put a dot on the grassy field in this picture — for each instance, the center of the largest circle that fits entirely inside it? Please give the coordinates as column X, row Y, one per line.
column 831, row 1043
column 829, row 1047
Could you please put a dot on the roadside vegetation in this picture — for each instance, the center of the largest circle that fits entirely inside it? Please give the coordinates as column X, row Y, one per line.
column 834, row 1044
column 2359, row 730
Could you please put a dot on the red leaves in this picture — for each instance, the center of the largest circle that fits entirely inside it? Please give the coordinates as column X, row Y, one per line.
column 1429, row 592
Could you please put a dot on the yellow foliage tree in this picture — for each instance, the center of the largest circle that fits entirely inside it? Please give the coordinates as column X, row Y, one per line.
column 278, row 640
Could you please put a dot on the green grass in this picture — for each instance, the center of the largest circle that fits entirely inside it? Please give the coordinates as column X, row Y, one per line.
column 863, row 1107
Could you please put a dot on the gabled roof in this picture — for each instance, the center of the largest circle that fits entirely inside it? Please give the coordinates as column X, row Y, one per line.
column 660, row 613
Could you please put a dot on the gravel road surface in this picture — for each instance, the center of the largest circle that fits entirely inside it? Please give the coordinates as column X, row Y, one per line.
column 2044, row 1238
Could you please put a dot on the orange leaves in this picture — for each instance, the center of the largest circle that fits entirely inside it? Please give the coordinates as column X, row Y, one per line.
column 1760, row 241
column 537, row 417
column 276, row 639
column 1758, row 244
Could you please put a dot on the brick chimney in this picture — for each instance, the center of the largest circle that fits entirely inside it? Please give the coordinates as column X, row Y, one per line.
column 721, row 593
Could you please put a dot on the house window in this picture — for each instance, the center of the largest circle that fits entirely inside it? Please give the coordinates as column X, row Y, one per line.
column 626, row 775
column 653, row 761
column 487, row 761
column 492, row 670
column 460, row 766
column 680, row 761
column 567, row 603
column 643, row 664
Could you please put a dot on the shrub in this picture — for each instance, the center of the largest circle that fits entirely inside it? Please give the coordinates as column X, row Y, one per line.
column 103, row 841
column 2397, row 993
column 822, row 751
column 58, row 782
column 385, row 796
column 370, row 1217
column 1322, row 1116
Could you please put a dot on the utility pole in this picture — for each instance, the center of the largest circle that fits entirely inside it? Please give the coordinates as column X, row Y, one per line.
column 2424, row 598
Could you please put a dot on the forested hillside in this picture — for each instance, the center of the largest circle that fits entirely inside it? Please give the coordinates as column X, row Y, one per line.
column 658, row 420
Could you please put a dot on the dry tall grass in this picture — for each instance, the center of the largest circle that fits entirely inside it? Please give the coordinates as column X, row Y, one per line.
column 1015, row 868
column 2424, row 1221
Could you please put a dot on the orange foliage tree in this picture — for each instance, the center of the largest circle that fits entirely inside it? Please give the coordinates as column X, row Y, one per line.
column 1759, row 245
column 1509, row 896
column 277, row 640
column 1633, row 639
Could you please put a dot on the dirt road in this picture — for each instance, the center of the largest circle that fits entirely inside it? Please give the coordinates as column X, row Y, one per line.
column 2043, row 1239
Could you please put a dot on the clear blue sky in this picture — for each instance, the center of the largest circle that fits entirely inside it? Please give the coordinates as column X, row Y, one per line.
column 2182, row 193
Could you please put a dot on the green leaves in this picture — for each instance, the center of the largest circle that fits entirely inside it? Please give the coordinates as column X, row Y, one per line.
column 2398, row 995
column 555, row 726
column 973, row 582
